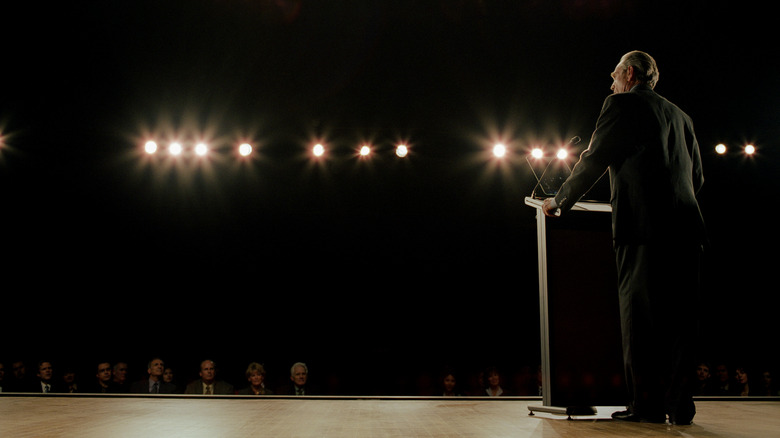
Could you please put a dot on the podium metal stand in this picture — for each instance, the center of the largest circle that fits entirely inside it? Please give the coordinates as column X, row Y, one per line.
column 582, row 362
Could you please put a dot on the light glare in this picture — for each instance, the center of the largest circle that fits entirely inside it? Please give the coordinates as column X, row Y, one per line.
column 750, row 149
column 562, row 154
column 365, row 150
column 245, row 149
column 721, row 149
column 318, row 150
column 175, row 148
column 499, row 150
column 201, row 149
column 401, row 151
column 150, row 147
column 537, row 153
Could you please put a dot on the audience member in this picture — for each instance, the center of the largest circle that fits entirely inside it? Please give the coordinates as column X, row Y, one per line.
column 45, row 379
column 768, row 385
column 742, row 382
column 450, row 385
column 703, row 380
column 722, row 385
column 170, row 377
column 299, row 377
column 154, row 383
column 255, row 375
column 18, row 380
column 70, row 383
column 208, row 383
column 103, row 383
column 120, row 377
column 493, row 383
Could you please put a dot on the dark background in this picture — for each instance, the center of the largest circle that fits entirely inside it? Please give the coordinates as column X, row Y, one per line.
column 374, row 268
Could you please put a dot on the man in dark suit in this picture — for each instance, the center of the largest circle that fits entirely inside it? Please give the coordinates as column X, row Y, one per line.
column 208, row 383
column 44, row 381
column 649, row 146
column 154, row 384
column 103, row 382
column 299, row 381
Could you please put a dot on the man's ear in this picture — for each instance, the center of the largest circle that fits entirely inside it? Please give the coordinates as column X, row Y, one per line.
column 630, row 73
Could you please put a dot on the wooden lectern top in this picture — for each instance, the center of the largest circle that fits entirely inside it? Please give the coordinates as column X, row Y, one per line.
column 580, row 206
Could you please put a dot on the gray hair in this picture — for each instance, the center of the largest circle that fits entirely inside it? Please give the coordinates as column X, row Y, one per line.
column 645, row 68
column 299, row 364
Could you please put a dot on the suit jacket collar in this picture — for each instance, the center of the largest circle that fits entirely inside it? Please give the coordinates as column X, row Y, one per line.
column 640, row 87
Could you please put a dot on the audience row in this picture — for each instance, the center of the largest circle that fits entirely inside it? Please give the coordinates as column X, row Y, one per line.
column 719, row 380
column 160, row 379
column 722, row 380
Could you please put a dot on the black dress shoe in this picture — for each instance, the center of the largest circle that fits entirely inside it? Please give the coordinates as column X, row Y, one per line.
column 684, row 415
column 636, row 418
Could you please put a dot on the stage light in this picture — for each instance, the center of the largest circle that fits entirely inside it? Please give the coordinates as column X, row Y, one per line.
column 245, row 149
column 537, row 153
column 365, row 150
column 562, row 154
column 318, row 150
column 201, row 149
column 150, row 147
column 499, row 150
column 750, row 149
column 721, row 149
column 401, row 150
column 175, row 148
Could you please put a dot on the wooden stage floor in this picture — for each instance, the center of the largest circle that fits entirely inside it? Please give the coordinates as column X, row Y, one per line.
column 183, row 416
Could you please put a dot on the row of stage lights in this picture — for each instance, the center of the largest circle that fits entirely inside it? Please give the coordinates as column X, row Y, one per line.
column 499, row 150
column 176, row 149
column 748, row 149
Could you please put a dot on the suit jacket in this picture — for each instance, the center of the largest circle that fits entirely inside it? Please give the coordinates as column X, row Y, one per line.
column 650, row 149
column 142, row 387
column 35, row 386
column 220, row 387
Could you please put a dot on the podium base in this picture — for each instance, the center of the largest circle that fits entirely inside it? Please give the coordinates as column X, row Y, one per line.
column 568, row 411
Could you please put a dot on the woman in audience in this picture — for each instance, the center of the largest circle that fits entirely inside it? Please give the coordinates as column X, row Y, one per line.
column 255, row 375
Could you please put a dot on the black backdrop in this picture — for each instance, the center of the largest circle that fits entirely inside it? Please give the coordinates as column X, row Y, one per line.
column 388, row 264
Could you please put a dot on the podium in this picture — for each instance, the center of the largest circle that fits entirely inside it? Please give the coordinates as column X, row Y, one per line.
column 582, row 358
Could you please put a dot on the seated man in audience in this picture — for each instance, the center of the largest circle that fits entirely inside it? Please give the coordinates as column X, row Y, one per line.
column 154, row 384
column 208, row 383
column 44, row 379
column 120, row 377
column 17, row 380
column 299, row 376
column 104, row 382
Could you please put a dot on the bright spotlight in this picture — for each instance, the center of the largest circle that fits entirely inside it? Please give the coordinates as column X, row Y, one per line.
column 537, row 153
column 401, row 150
column 245, row 149
column 318, row 150
column 201, row 149
column 720, row 149
column 499, row 150
column 750, row 149
column 365, row 150
column 175, row 148
column 150, row 147
column 562, row 154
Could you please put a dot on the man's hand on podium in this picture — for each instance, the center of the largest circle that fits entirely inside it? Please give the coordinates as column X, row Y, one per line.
column 550, row 208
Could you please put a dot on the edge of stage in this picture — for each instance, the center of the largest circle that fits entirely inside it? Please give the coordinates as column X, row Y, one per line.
column 87, row 415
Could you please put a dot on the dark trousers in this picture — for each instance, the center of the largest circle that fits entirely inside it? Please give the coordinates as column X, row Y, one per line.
column 658, row 292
